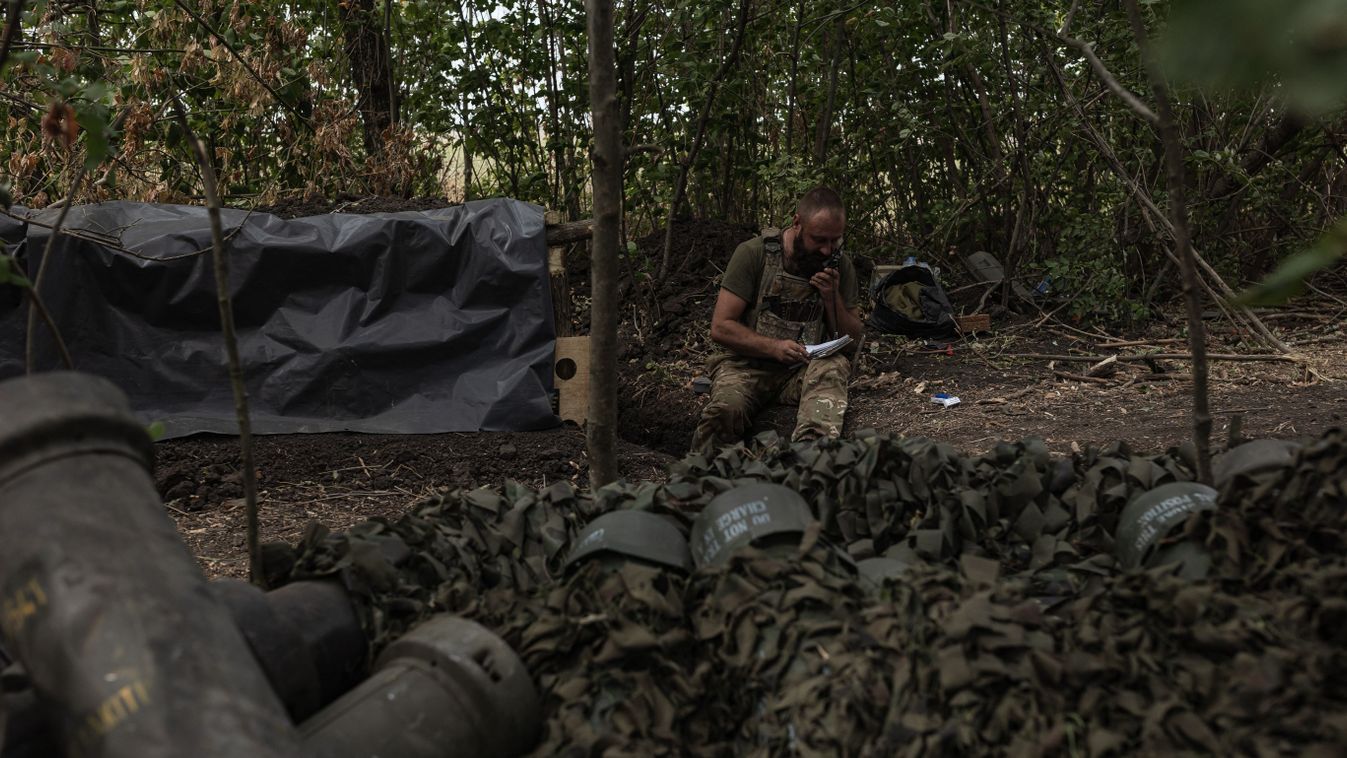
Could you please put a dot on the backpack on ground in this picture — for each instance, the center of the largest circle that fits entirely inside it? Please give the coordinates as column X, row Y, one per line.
column 910, row 301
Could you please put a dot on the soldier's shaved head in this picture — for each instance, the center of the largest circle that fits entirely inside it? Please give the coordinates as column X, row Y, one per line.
column 820, row 200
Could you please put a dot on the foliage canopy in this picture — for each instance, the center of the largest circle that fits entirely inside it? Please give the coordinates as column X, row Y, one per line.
column 955, row 126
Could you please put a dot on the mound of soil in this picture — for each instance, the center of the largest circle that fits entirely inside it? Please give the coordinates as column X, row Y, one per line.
column 666, row 341
column 301, row 206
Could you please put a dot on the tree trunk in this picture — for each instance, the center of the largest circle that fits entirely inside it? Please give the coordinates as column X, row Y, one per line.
column 220, row 258
column 394, row 100
column 601, row 428
column 979, row 88
column 1178, row 212
column 1023, row 207
column 554, row 140
column 825, row 122
column 726, row 205
column 626, row 81
column 367, row 53
column 466, row 25
column 791, row 89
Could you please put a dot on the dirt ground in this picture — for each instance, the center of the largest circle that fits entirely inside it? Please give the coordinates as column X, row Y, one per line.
column 1007, row 392
column 1004, row 396
column 342, row 479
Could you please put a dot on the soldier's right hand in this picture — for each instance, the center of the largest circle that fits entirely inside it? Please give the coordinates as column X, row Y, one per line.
column 789, row 352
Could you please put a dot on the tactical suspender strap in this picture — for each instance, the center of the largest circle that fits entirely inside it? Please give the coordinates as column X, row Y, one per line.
column 765, row 318
column 771, row 267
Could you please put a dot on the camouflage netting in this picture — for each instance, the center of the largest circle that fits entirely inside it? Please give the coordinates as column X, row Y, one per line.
column 1013, row 631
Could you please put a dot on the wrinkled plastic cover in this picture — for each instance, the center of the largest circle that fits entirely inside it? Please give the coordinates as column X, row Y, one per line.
column 396, row 323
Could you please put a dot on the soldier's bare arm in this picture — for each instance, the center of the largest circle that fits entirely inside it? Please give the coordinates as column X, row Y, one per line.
column 849, row 321
column 729, row 332
column 839, row 318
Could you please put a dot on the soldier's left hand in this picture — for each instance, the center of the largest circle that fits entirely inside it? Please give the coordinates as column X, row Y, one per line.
column 826, row 282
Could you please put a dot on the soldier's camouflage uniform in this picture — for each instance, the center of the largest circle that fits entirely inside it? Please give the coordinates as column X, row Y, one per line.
column 784, row 307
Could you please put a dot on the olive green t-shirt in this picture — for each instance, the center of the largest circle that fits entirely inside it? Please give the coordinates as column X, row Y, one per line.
column 745, row 270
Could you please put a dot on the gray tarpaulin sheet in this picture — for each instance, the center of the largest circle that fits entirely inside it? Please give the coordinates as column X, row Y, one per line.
column 400, row 323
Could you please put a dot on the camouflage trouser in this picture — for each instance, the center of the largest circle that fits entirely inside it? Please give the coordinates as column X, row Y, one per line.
column 740, row 388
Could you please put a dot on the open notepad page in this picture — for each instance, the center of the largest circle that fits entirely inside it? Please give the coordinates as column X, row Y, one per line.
column 825, row 349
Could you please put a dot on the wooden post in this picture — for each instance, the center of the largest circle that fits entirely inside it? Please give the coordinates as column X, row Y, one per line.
column 571, row 377
column 561, row 232
column 571, row 367
column 561, row 288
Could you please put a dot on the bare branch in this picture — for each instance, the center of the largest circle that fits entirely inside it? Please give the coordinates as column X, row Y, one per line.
column 95, row 48
column 1111, row 81
column 656, row 150
column 111, row 243
column 1178, row 212
column 1143, row 357
column 30, row 345
column 30, row 105
column 226, row 305
column 1217, row 288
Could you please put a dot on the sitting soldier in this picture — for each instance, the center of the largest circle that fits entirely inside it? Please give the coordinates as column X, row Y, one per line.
column 778, row 294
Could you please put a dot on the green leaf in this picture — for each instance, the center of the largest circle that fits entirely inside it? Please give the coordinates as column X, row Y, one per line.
column 94, row 91
column 1298, row 45
column 1290, row 277
column 95, row 124
column 9, row 273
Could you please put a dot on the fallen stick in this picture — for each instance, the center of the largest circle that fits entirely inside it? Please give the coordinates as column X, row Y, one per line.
column 569, row 231
column 1140, row 343
column 1150, row 357
column 1078, row 377
column 1314, row 315
column 1106, row 367
column 1318, row 340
